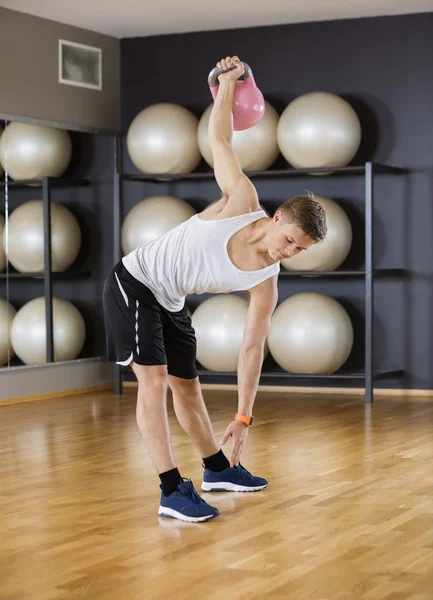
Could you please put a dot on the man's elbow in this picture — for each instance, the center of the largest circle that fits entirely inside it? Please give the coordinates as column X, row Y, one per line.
column 218, row 143
column 253, row 348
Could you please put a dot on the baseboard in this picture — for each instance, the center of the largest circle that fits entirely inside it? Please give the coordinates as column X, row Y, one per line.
column 55, row 395
column 49, row 380
column 230, row 387
column 312, row 390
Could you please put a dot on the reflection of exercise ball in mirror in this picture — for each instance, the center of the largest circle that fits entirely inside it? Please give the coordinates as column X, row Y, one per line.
column 2, row 250
column 34, row 151
column 26, row 237
column 7, row 314
column 29, row 331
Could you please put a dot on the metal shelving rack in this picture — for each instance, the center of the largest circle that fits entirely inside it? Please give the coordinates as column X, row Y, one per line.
column 47, row 275
column 369, row 170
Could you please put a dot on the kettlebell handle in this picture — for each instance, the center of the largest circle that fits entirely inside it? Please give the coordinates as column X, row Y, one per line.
column 216, row 72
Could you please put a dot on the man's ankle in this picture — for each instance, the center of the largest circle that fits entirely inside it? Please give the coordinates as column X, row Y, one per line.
column 217, row 462
column 169, row 481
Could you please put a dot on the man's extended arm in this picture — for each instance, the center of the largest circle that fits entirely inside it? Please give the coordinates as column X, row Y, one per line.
column 228, row 173
column 262, row 305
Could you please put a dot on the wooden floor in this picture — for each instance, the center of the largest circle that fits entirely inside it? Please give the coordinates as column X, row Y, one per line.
column 348, row 514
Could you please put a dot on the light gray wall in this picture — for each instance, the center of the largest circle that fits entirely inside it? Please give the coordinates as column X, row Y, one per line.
column 56, row 377
column 29, row 84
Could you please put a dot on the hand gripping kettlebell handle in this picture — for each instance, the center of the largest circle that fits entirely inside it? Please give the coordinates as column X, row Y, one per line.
column 216, row 72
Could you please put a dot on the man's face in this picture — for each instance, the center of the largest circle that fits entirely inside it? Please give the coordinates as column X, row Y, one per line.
column 287, row 239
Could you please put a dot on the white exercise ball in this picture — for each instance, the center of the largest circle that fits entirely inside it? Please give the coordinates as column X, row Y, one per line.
column 256, row 148
column 29, row 331
column 7, row 314
column 34, row 151
column 151, row 218
column 2, row 252
column 163, row 139
column 319, row 129
column 1, row 168
column 219, row 324
column 26, row 237
column 310, row 333
column 333, row 250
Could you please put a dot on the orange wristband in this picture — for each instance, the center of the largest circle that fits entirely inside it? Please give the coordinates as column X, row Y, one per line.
column 247, row 420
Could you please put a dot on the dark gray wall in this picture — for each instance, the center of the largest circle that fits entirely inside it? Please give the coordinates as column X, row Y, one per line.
column 29, row 74
column 383, row 67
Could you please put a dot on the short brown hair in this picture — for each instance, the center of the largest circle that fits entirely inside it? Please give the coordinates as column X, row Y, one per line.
column 308, row 214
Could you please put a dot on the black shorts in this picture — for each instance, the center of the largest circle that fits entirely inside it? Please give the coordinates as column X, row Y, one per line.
column 139, row 329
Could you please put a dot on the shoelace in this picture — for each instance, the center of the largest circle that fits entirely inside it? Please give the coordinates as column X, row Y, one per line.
column 188, row 489
column 243, row 470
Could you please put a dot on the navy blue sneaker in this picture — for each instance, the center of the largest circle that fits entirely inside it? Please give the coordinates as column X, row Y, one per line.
column 185, row 504
column 232, row 479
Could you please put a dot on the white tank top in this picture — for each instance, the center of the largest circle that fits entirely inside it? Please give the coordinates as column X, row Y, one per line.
column 192, row 258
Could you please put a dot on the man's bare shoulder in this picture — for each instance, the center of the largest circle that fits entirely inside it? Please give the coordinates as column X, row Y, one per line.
column 266, row 290
column 243, row 201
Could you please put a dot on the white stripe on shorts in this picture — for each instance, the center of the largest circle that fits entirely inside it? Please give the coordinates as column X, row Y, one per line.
column 126, row 362
column 122, row 291
column 136, row 329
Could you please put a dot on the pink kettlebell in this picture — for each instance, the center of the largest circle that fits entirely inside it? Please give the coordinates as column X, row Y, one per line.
column 248, row 103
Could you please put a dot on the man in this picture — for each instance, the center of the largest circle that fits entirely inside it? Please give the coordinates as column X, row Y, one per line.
column 230, row 246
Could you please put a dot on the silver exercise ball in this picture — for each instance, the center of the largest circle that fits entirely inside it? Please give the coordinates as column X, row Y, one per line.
column 319, row 129
column 256, row 148
column 219, row 324
column 29, row 331
column 7, row 314
column 2, row 252
column 26, row 237
column 331, row 253
column 163, row 139
column 34, row 151
column 151, row 218
column 310, row 334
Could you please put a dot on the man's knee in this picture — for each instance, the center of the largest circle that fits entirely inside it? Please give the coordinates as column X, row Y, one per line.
column 184, row 388
column 151, row 378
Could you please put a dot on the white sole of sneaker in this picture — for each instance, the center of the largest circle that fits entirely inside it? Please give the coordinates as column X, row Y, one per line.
column 163, row 511
column 229, row 487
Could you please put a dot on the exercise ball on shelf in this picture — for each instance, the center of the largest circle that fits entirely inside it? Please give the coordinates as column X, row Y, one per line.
column 256, row 148
column 7, row 314
column 331, row 253
column 319, row 129
column 2, row 252
column 34, row 151
column 151, row 218
column 219, row 324
column 26, row 237
column 310, row 333
column 29, row 331
column 163, row 139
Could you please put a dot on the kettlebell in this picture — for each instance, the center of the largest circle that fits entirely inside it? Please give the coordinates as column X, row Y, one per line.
column 248, row 102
